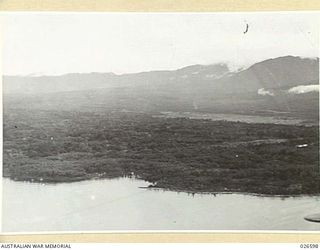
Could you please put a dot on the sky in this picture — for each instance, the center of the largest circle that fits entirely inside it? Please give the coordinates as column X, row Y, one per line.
column 59, row 43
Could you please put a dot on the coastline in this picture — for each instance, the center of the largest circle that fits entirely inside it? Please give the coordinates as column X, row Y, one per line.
column 177, row 190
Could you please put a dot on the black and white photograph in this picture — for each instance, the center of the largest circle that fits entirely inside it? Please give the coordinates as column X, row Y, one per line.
column 150, row 122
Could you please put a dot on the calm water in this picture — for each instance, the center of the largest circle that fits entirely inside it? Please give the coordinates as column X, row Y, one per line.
column 237, row 118
column 120, row 204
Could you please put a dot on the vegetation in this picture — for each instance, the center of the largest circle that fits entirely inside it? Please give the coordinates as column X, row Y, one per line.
column 176, row 154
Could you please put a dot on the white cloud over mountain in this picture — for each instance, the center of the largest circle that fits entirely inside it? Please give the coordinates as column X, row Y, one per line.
column 265, row 92
column 301, row 89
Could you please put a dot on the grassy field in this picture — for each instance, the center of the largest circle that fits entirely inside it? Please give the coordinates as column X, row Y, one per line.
column 176, row 154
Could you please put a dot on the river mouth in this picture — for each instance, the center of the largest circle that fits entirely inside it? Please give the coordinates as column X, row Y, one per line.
column 120, row 204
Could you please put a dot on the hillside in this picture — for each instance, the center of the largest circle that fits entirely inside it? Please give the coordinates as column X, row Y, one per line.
column 209, row 88
column 286, row 71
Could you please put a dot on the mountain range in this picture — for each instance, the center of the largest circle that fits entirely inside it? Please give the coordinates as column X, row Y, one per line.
column 266, row 85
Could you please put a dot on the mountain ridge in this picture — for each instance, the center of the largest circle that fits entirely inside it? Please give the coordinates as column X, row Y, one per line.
column 215, row 88
column 238, row 69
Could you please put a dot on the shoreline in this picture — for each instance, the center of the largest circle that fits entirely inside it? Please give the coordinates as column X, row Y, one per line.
column 234, row 192
column 177, row 190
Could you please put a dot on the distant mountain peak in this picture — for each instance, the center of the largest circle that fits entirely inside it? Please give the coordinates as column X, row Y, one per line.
column 285, row 59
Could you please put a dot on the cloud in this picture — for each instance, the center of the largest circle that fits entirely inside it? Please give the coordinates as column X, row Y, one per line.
column 264, row 92
column 301, row 89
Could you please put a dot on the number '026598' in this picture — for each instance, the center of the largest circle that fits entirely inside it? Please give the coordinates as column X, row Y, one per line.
column 309, row 246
